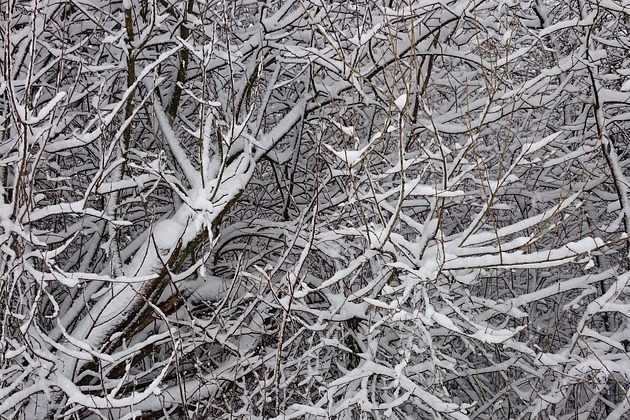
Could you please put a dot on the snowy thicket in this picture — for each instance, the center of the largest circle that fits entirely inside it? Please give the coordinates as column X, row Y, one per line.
column 314, row 209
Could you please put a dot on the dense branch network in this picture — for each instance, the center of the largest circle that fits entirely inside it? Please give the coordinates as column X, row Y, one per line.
column 314, row 209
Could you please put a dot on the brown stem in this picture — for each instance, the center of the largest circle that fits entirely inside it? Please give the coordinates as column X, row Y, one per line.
column 184, row 55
